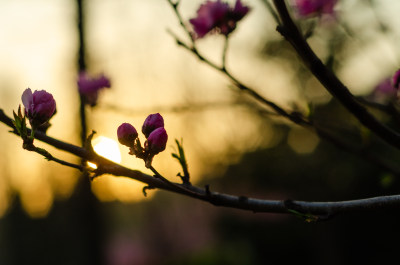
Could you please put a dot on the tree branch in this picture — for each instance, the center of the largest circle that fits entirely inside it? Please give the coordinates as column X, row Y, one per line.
column 328, row 79
column 31, row 147
column 309, row 210
column 293, row 116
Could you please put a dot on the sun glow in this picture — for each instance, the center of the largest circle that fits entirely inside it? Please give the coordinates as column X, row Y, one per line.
column 110, row 188
column 107, row 148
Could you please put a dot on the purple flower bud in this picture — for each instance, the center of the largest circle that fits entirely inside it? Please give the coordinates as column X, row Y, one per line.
column 383, row 92
column 209, row 15
column 152, row 122
column 217, row 17
column 157, row 141
column 239, row 11
column 127, row 134
column 39, row 106
column 89, row 87
column 396, row 79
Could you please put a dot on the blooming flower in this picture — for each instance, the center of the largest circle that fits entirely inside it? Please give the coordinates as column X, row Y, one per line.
column 157, row 141
column 152, row 122
column 218, row 17
column 89, row 87
column 39, row 106
column 315, row 7
column 127, row 134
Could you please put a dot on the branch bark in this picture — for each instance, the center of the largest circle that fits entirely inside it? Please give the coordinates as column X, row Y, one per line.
column 309, row 210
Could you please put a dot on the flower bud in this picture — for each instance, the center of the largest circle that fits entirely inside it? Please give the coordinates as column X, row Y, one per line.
column 90, row 87
column 39, row 106
column 396, row 79
column 157, row 141
column 127, row 134
column 152, row 122
column 217, row 17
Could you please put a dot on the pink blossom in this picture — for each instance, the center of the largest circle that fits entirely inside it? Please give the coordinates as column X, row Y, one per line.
column 90, row 87
column 157, row 141
column 239, row 11
column 39, row 106
column 396, row 79
column 127, row 134
column 217, row 17
column 384, row 91
column 315, row 7
column 152, row 122
column 386, row 87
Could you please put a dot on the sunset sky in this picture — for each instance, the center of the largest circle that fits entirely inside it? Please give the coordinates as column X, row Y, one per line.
column 128, row 41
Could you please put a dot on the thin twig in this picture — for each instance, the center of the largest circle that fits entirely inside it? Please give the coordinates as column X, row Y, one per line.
column 172, row 184
column 295, row 117
column 189, row 107
column 361, row 152
column 50, row 157
column 272, row 11
column 82, row 67
column 178, row 15
column 192, row 48
column 224, row 52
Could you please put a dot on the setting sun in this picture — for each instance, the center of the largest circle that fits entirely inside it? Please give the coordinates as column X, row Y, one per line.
column 107, row 148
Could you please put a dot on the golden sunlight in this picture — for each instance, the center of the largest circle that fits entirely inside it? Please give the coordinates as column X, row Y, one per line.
column 107, row 148
column 110, row 188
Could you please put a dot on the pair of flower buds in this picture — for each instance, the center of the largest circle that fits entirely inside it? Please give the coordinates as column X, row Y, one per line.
column 153, row 129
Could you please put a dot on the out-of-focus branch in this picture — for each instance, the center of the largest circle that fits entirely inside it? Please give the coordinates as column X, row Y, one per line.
column 189, row 107
column 82, row 66
column 388, row 108
column 294, row 116
column 363, row 153
column 311, row 211
column 271, row 10
column 328, row 79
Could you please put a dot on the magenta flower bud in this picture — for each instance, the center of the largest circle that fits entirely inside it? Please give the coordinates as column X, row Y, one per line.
column 152, row 122
column 209, row 15
column 127, row 134
column 217, row 17
column 157, row 141
column 383, row 92
column 89, row 87
column 39, row 106
column 396, row 79
column 239, row 11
